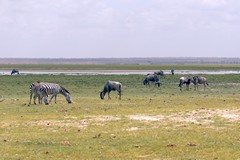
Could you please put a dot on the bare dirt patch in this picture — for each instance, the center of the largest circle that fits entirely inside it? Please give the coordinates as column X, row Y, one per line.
column 199, row 116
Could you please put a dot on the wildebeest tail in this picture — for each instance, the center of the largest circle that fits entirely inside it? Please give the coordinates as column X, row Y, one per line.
column 120, row 87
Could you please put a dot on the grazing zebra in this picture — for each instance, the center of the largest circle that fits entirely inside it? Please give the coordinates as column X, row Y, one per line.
column 34, row 90
column 15, row 71
column 53, row 89
column 151, row 78
column 199, row 80
column 184, row 80
column 111, row 86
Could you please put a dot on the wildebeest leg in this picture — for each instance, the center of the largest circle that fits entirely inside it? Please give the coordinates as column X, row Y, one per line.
column 119, row 93
column 195, row 87
column 109, row 95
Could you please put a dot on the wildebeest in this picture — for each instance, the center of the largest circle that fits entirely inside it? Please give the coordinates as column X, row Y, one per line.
column 161, row 73
column 199, row 80
column 111, row 86
column 151, row 78
column 184, row 80
column 15, row 71
column 172, row 71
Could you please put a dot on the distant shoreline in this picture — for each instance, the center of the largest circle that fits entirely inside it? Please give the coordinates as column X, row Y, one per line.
column 137, row 60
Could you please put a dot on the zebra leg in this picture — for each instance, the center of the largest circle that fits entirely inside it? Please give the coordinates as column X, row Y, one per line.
column 34, row 98
column 109, row 95
column 30, row 99
column 55, row 98
column 54, row 95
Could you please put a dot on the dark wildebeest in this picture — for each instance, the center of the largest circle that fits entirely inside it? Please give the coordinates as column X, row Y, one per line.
column 161, row 73
column 184, row 80
column 199, row 80
column 172, row 71
column 15, row 71
column 111, row 86
column 151, row 78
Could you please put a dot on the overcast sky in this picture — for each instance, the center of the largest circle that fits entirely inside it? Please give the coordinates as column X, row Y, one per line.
column 119, row 28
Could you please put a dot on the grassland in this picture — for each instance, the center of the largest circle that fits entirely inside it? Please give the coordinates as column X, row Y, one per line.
column 148, row 123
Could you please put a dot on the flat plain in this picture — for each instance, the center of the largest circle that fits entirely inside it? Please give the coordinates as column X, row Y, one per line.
column 148, row 123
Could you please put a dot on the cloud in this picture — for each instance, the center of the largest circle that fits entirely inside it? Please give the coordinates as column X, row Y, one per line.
column 214, row 3
column 106, row 26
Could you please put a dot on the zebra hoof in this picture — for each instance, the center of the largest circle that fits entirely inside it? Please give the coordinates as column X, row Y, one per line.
column 46, row 103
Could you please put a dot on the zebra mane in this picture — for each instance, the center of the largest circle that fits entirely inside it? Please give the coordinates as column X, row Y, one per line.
column 65, row 89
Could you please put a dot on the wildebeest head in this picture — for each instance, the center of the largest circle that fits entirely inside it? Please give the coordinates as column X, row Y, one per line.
column 145, row 81
column 161, row 73
column 195, row 80
column 102, row 94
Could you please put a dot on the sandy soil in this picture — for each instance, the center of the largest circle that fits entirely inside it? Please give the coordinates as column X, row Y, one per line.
column 201, row 117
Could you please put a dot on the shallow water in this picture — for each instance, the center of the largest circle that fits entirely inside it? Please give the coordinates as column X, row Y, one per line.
column 115, row 72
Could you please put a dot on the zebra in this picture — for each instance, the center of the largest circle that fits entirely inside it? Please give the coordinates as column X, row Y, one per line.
column 184, row 80
column 34, row 90
column 45, row 89
column 111, row 86
column 15, row 71
column 199, row 80
column 153, row 78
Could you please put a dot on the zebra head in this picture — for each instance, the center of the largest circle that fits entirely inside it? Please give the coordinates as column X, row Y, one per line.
column 44, row 94
column 68, row 98
column 66, row 93
column 46, row 100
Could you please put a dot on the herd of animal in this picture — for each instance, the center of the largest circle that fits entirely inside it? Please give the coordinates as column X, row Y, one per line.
column 196, row 80
column 42, row 90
